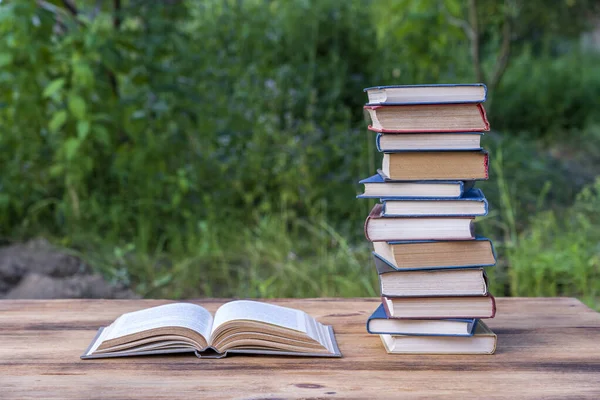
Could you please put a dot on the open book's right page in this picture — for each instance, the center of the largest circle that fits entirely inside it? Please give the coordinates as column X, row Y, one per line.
column 281, row 316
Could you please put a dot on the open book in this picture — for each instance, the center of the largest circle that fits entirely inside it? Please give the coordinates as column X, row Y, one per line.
column 240, row 326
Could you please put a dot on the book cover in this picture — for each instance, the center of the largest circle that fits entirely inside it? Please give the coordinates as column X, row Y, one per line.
column 437, row 101
column 436, row 166
column 379, row 149
column 382, row 265
column 484, row 121
column 484, row 292
column 379, row 179
column 375, row 214
column 475, row 195
column 467, row 185
column 384, row 301
column 379, row 314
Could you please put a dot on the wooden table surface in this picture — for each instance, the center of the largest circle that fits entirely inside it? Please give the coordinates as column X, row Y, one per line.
column 547, row 348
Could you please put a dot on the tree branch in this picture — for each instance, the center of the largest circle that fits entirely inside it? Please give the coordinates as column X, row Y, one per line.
column 69, row 5
column 504, row 52
column 117, row 14
column 471, row 30
column 475, row 44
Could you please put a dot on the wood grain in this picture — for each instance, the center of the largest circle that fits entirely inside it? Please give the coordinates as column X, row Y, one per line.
column 547, row 348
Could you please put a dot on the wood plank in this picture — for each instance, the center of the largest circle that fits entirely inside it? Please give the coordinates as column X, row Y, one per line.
column 546, row 348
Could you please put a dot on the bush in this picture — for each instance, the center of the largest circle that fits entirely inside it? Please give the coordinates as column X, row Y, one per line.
column 559, row 253
column 548, row 96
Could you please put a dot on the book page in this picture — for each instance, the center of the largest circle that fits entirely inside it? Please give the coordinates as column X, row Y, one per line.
column 184, row 315
column 261, row 312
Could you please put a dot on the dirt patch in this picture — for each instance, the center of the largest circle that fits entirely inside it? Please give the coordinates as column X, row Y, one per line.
column 38, row 270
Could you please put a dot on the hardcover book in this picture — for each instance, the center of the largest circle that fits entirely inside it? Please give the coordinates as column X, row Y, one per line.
column 440, row 307
column 434, row 283
column 379, row 228
column 379, row 323
column 436, row 165
column 430, row 254
column 377, row 187
column 428, row 118
column 482, row 342
column 471, row 204
column 240, row 327
column 395, row 143
column 427, row 94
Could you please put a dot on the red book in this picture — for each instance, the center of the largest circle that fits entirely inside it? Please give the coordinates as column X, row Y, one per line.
column 440, row 307
column 426, row 118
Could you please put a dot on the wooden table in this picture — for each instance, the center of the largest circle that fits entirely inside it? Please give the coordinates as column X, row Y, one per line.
column 547, row 348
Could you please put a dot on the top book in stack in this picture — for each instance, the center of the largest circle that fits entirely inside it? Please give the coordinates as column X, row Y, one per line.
column 427, row 108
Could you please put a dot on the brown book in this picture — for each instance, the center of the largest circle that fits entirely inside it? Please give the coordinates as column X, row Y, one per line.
column 435, row 254
column 436, row 165
column 388, row 229
column 428, row 118
column 440, row 307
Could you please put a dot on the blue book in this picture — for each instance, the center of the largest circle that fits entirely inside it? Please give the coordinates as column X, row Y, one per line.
column 379, row 323
column 376, row 187
column 433, row 254
column 428, row 141
column 467, row 184
column 472, row 204
column 426, row 94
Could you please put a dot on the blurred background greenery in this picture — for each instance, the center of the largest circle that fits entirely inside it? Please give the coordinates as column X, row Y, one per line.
column 213, row 148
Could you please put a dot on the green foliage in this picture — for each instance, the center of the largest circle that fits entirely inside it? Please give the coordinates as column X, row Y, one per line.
column 544, row 96
column 213, row 148
column 559, row 254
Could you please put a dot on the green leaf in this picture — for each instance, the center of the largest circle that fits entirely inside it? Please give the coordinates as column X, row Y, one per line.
column 53, row 87
column 57, row 121
column 70, row 147
column 83, row 128
column 5, row 59
column 102, row 135
column 56, row 170
column 77, row 106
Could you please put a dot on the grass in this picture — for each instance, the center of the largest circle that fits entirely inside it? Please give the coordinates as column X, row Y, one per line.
column 551, row 252
column 277, row 257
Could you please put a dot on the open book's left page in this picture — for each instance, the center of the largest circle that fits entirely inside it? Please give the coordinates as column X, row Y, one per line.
column 168, row 316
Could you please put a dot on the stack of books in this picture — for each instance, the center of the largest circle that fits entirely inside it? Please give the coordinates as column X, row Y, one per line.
column 434, row 290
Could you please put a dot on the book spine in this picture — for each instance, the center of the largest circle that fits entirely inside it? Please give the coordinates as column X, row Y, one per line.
column 385, row 307
column 486, row 164
column 493, row 306
column 381, row 130
column 484, row 117
column 378, row 142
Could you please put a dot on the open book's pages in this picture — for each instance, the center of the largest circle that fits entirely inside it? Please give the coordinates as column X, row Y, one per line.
column 240, row 326
column 482, row 342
